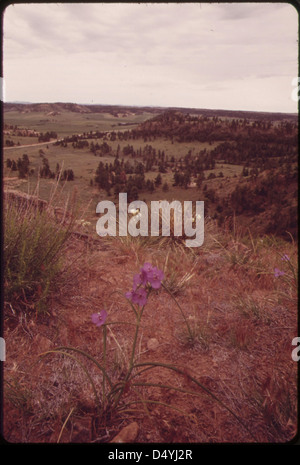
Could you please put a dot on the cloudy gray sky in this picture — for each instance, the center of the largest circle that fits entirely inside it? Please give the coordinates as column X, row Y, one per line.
column 226, row 56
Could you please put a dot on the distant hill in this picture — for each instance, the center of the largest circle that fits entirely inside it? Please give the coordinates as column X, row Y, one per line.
column 116, row 109
column 207, row 127
column 75, row 108
column 45, row 107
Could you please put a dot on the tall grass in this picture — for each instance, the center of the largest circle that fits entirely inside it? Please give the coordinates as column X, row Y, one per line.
column 34, row 244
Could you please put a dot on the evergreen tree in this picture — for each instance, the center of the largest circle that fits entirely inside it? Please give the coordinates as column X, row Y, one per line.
column 133, row 194
column 45, row 171
column 165, row 187
column 158, row 180
column 102, row 176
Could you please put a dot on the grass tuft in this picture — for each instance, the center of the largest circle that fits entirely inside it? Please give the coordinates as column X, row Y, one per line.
column 33, row 253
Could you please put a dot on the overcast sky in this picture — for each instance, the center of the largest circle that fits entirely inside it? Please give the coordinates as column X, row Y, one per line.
column 198, row 55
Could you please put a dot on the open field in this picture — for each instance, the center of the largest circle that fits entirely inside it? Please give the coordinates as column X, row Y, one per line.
column 67, row 123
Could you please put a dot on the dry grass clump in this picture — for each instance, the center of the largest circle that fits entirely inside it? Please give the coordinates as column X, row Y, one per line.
column 34, row 246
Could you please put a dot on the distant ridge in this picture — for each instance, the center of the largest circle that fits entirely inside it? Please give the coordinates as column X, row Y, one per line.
column 114, row 109
column 21, row 102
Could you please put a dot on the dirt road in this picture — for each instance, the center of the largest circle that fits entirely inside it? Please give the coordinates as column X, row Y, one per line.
column 31, row 145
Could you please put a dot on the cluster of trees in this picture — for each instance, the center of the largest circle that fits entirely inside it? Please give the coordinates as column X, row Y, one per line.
column 182, row 179
column 187, row 167
column 21, row 165
column 260, row 154
column 67, row 175
column 12, row 127
column 149, row 155
column 123, row 177
column 192, row 166
column 46, row 172
column 101, row 150
column 47, row 136
column 77, row 139
column 80, row 144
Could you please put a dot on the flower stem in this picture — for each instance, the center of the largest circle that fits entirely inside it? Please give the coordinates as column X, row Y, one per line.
column 104, row 366
column 182, row 313
column 131, row 362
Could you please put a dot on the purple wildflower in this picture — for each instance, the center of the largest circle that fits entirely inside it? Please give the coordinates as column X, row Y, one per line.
column 140, row 278
column 137, row 296
column 152, row 275
column 129, row 294
column 285, row 258
column 99, row 318
column 155, row 277
column 147, row 268
column 148, row 275
column 278, row 272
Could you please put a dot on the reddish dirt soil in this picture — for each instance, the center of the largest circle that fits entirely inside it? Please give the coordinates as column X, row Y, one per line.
column 242, row 360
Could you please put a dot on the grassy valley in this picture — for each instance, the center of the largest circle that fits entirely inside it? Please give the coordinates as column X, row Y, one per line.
column 235, row 164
